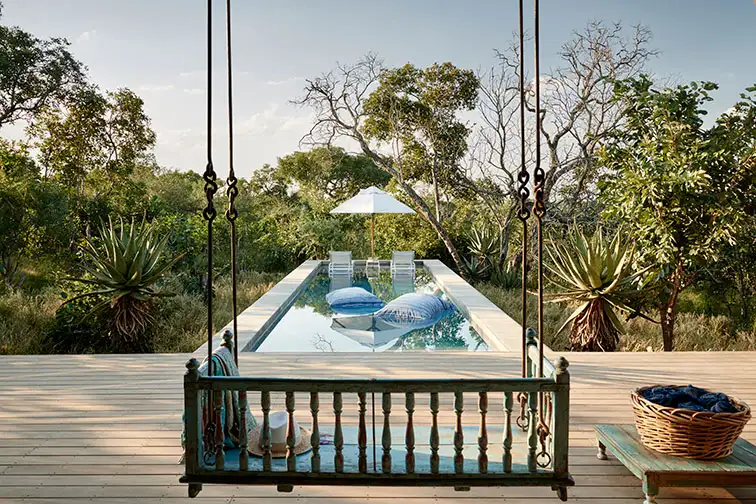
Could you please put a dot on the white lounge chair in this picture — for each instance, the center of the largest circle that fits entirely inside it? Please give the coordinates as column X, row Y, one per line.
column 403, row 262
column 340, row 263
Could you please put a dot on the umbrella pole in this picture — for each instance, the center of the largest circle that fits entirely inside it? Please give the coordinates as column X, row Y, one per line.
column 372, row 236
column 374, row 463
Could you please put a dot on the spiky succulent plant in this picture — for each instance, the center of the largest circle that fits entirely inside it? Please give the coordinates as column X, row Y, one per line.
column 124, row 268
column 597, row 274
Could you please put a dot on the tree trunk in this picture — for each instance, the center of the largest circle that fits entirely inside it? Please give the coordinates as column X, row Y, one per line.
column 667, row 318
column 668, row 309
column 436, row 197
column 745, row 314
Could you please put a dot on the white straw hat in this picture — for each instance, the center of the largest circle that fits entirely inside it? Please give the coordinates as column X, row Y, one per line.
column 279, row 424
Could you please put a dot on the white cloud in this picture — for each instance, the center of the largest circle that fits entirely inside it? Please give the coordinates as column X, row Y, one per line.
column 194, row 91
column 272, row 120
column 156, row 88
column 86, row 36
column 283, row 82
column 192, row 74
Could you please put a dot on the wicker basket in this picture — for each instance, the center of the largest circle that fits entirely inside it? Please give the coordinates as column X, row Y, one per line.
column 685, row 433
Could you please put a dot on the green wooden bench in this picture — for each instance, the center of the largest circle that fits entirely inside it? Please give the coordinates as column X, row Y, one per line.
column 459, row 455
column 657, row 470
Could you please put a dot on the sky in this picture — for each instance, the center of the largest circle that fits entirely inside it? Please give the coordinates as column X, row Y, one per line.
column 158, row 49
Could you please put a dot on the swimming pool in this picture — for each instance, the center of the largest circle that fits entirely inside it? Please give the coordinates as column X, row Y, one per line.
column 310, row 325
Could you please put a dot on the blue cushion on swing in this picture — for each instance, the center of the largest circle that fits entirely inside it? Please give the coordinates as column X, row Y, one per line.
column 353, row 301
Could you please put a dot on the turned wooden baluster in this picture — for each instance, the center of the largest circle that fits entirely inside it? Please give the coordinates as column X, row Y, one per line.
column 459, row 439
column 483, row 433
column 220, row 456
column 291, row 435
column 362, row 434
column 315, row 437
column 265, row 440
column 434, row 432
column 338, row 435
column 386, row 438
column 532, row 431
column 409, row 437
column 243, row 442
column 507, row 442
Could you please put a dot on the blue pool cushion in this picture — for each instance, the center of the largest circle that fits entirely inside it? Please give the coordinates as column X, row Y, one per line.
column 353, row 300
column 416, row 309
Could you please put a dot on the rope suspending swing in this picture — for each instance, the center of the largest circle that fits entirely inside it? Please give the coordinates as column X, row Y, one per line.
column 209, row 213
column 213, row 435
column 527, row 420
column 538, row 210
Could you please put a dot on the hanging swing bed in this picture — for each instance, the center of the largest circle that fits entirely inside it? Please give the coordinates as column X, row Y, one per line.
column 224, row 444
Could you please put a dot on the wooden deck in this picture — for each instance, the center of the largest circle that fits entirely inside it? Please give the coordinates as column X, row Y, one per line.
column 106, row 429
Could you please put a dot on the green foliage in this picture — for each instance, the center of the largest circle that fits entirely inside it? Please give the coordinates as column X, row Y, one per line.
column 681, row 189
column 505, row 277
column 25, row 319
column 98, row 138
column 483, row 243
column 124, row 271
column 43, row 73
column 328, row 175
column 597, row 274
column 419, row 107
column 474, row 269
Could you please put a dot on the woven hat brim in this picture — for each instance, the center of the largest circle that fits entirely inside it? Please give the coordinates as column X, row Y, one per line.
column 254, row 447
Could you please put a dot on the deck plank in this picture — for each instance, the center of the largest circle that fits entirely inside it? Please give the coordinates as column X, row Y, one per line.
column 97, row 428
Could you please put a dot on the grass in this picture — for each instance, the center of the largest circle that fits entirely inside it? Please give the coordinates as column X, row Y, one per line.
column 693, row 331
column 25, row 319
column 181, row 325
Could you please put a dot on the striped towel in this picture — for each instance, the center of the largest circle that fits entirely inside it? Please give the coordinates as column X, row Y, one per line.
column 224, row 365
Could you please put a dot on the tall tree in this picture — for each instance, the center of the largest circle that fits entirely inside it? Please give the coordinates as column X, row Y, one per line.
column 672, row 185
column 411, row 112
column 330, row 174
column 98, row 138
column 578, row 112
column 34, row 73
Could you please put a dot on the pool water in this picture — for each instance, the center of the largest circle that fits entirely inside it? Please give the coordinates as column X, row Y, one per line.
column 308, row 326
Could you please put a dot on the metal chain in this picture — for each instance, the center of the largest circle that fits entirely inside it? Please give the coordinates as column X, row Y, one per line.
column 544, row 430
column 523, row 177
column 209, row 213
column 539, row 210
column 523, row 421
column 232, row 191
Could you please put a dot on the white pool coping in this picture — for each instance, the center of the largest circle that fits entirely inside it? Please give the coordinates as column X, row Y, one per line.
column 269, row 308
column 499, row 330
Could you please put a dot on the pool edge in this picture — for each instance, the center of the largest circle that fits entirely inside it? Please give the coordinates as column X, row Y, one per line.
column 255, row 321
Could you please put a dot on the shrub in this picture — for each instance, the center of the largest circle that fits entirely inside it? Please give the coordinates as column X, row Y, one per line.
column 24, row 320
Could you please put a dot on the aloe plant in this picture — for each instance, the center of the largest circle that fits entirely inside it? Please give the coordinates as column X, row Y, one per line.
column 599, row 276
column 124, row 271
column 483, row 242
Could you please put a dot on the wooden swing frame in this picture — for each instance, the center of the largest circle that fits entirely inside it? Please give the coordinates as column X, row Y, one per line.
column 543, row 392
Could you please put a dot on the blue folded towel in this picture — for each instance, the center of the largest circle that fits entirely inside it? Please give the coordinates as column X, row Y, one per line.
column 690, row 397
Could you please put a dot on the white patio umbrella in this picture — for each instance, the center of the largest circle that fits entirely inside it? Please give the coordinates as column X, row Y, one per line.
column 372, row 201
